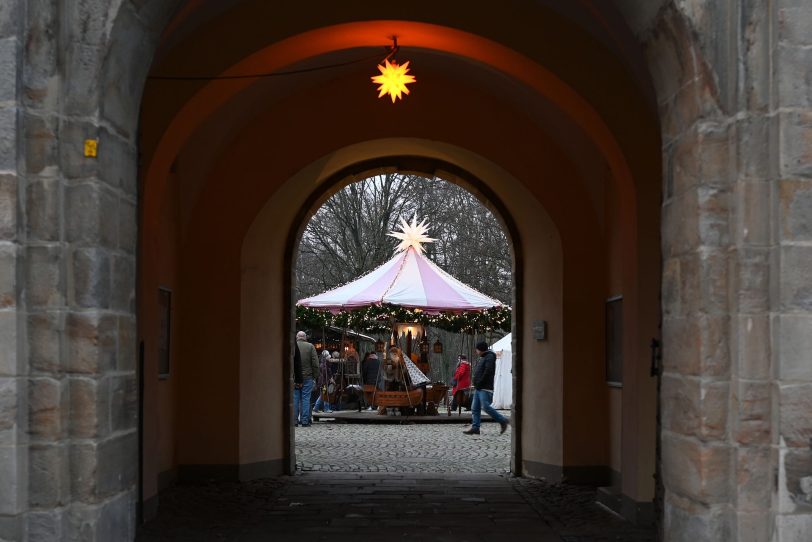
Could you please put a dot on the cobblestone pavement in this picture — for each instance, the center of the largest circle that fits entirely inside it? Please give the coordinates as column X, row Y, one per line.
column 423, row 448
column 370, row 506
column 366, row 482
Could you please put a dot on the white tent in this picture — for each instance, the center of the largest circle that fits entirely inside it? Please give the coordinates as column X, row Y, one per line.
column 503, row 382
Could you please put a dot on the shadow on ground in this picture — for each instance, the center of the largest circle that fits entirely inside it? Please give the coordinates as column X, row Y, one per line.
column 372, row 506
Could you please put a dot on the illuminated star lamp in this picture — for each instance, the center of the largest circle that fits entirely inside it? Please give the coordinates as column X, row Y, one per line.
column 393, row 78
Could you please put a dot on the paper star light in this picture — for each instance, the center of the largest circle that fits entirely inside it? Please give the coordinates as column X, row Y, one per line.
column 393, row 79
column 412, row 235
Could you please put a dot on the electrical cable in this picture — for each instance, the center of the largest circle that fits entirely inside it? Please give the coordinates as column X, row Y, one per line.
column 392, row 51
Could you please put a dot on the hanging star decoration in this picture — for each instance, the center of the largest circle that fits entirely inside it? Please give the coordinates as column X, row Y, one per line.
column 393, row 79
column 412, row 235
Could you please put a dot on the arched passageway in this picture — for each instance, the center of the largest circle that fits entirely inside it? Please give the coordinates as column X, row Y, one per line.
column 232, row 168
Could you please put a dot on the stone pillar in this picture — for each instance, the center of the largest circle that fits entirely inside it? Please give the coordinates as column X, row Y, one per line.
column 791, row 264
column 13, row 386
column 737, row 312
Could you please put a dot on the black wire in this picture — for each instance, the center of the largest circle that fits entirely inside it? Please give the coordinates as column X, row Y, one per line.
column 260, row 75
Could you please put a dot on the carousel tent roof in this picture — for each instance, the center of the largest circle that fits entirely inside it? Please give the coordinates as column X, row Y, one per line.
column 409, row 279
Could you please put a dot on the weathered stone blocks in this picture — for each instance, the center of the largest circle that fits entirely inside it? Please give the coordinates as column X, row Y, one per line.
column 794, row 339
column 795, row 285
column 45, row 330
column 8, row 138
column 91, row 212
column 695, row 408
column 8, row 207
column 45, row 526
column 697, row 345
column 48, row 475
column 42, row 209
column 81, row 65
column 751, row 276
column 798, row 476
column 127, row 226
column 796, row 144
column 8, row 409
column 101, row 469
column 794, row 91
column 44, row 280
column 753, row 413
column 91, row 339
column 795, row 209
column 697, row 470
column 47, row 412
column 754, row 350
column 127, row 347
column 115, row 160
column 8, row 275
column 89, row 407
column 12, row 473
column 8, row 69
column 90, row 280
column 9, row 360
column 754, row 224
column 124, row 402
column 795, row 421
column 688, row 521
column 123, row 291
column 111, row 520
column 41, row 145
column 754, row 479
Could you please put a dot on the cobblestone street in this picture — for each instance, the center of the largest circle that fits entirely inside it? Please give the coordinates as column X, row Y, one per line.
column 410, row 482
column 424, row 448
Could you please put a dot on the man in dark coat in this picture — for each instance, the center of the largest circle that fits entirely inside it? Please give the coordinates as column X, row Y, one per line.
column 310, row 370
column 298, row 381
column 483, row 391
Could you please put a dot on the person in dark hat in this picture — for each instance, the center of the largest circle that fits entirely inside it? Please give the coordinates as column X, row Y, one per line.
column 483, row 390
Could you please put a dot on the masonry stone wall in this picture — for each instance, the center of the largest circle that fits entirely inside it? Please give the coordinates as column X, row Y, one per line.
column 733, row 85
column 733, row 88
column 68, row 235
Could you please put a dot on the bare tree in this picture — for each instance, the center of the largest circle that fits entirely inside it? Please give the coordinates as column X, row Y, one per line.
column 347, row 236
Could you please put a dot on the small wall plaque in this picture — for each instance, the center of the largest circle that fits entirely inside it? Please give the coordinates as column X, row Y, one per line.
column 91, row 148
column 540, row 330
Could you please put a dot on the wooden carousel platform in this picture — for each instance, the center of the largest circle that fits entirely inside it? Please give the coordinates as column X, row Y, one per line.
column 372, row 416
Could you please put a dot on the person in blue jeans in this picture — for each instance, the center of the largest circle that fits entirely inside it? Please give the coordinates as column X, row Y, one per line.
column 483, row 391
column 323, row 384
column 298, row 382
column 310, row 369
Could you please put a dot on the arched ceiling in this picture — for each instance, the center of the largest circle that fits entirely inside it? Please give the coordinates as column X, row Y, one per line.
column 568, row 73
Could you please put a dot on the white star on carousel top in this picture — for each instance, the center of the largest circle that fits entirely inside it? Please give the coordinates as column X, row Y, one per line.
column 412, row 235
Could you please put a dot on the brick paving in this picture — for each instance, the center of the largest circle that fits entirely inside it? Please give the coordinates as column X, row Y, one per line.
column 372, row 482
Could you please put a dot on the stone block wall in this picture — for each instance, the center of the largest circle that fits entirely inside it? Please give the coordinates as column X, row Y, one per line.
column 68, row 234
column 733, row 87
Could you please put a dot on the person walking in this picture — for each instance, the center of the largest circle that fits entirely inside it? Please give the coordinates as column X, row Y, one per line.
column 324, row 384
column 310, row 369
column 298, row 381
column 483, row 391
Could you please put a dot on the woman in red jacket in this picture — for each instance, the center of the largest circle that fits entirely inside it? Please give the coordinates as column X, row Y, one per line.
column 461, row 381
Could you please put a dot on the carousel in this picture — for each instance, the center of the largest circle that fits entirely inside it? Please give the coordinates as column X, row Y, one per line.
column 405, row 296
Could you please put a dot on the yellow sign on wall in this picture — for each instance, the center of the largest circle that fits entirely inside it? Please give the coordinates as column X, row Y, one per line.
column 91, row 148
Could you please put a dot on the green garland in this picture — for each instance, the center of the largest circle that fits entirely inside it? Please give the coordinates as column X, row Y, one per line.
column 377, row 319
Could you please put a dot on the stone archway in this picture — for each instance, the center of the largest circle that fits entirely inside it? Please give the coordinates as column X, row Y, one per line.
column 736, row 315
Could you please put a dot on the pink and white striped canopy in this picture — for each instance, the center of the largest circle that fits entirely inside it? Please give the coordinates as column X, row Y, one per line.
column 410, row 280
